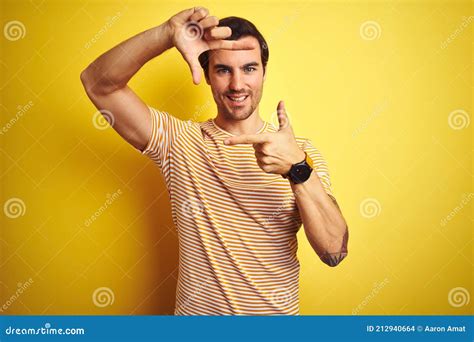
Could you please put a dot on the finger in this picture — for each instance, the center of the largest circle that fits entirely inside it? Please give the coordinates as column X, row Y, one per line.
column 232, row 44
column 266, row 160
column 208, row 22
column 195, row 68
column 217, row 33
column 246, row 139
column 199, row 13
column 283, row 120
column 186, row 14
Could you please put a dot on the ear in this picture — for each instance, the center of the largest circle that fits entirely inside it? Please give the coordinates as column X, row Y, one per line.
column 207, row 78
column 265, row 74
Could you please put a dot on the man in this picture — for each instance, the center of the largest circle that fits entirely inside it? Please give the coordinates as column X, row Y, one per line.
column 239, row 187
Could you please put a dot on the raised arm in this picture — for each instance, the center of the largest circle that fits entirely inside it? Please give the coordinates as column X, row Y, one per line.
column 191, row 31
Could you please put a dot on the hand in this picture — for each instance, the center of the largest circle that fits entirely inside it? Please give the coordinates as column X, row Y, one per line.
column 276, row 152
column 194, row 31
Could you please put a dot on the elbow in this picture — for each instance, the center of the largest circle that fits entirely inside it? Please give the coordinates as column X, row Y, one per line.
column 86, row 81
column 335, row 258
column 95, row 85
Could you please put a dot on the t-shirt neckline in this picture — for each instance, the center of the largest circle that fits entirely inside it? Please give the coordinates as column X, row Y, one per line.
column 262, row 129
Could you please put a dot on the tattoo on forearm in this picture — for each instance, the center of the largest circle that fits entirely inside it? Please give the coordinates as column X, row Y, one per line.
column 333, row 259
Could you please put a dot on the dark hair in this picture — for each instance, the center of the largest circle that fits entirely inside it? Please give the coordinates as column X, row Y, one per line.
column 240, row 28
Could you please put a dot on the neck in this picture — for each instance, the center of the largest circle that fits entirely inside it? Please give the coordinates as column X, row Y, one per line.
column 251, row 125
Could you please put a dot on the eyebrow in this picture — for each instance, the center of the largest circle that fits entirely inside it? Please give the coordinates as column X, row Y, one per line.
column 229, row 67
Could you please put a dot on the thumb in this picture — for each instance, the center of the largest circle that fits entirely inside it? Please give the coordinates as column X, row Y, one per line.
column 283, row 120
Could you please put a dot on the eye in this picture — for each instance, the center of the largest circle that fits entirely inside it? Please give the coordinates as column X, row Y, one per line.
column 250, row 69
column 222, row 71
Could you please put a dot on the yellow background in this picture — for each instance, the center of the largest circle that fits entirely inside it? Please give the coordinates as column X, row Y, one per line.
column 377, row 109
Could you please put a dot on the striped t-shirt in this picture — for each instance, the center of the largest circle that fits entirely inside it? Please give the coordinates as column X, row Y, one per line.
column 236, row 223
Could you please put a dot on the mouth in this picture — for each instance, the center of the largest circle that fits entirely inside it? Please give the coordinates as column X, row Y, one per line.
column 237, row 99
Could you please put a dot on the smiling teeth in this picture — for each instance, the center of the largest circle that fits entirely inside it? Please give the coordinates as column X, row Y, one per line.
column 238, row 99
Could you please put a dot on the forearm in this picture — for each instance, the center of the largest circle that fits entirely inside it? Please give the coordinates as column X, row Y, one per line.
column 323, row 222
column 113, row 69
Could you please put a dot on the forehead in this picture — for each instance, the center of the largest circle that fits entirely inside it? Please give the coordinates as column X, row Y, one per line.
column 236, row 57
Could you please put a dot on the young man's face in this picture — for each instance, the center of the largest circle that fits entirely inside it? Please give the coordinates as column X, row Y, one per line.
column 236, row 78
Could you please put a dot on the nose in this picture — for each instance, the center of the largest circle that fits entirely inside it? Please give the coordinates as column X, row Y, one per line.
column 236, row 82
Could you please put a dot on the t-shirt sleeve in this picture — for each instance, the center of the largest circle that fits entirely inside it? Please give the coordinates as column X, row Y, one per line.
column 165, row 129
column 319, row 165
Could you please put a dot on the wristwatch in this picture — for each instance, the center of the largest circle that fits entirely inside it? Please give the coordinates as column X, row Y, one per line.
column 300, row 172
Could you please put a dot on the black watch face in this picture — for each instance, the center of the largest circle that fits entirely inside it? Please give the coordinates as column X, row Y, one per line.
column 301, row 173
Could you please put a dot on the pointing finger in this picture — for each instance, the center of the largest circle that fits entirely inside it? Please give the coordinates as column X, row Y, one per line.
column 246, row 139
